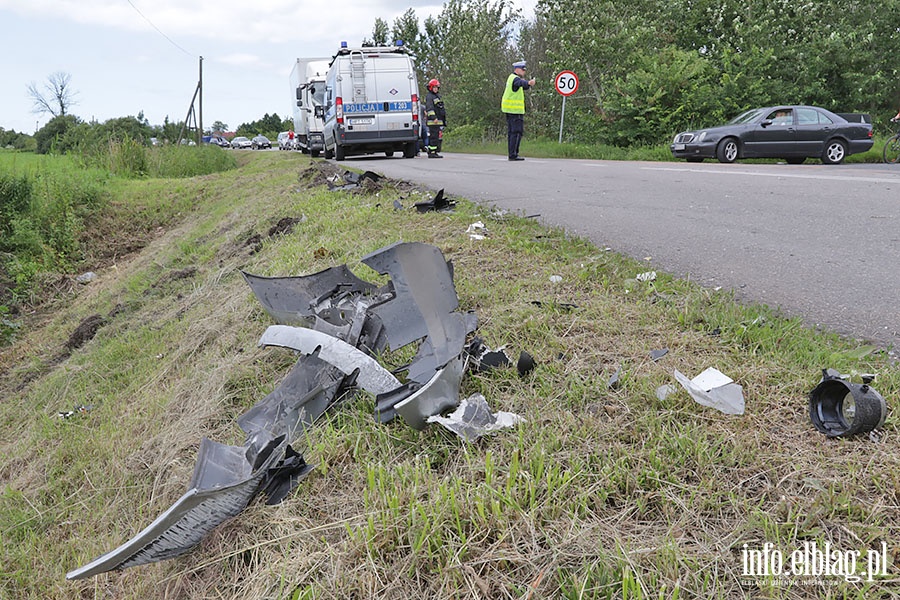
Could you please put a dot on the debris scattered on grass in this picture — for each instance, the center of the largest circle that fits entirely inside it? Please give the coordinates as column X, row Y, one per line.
column 714, row 389
column 86, row 278
column 648, row 276
column 655, row 355
column 473, row 418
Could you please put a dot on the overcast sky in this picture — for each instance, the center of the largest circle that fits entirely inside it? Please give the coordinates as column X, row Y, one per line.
column 128, row 56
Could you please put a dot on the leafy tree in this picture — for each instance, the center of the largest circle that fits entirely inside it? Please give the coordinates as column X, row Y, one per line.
column 57, row 97
column 218, row 127
column 406, row 28
column 379, row 34
column 51, row 137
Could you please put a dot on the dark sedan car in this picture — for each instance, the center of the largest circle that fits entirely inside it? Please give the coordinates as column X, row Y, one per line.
column 260, row 142
column 793, row 133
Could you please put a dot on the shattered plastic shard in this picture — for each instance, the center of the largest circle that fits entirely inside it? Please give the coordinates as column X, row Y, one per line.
column 437, row 203
column 372, row 376
column 292, row 300
column 225, row 480
column 473, row 418
column 714, row 389
column 424, row 305
column 436, row 396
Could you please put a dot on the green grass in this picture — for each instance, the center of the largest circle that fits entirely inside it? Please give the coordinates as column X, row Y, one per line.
column 601, row 493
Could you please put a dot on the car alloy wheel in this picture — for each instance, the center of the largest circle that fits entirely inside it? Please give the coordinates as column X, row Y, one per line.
column 834, row 153
column 727, row 151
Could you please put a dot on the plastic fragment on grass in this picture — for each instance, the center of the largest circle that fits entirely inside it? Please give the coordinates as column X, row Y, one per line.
column 437, row 203
column 655, row 355
column 714, row 389
column 371, row 375
column 436, row 396
column 473, row 418
column 647, row 276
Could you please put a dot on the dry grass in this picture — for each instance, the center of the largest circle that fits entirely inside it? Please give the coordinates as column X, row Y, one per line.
column 602, row 493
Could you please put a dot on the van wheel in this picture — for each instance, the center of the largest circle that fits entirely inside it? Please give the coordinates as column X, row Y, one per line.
column 389, row 153
column 339, row 152
column 314, row 153
column 328, row 153
column 409, row 150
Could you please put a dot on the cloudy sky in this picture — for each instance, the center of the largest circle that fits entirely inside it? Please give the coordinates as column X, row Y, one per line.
column 128, row 56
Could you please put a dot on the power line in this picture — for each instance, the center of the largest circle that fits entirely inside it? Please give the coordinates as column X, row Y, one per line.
column 158, row 29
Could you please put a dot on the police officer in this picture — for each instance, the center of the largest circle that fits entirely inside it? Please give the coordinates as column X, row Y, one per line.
column 435, row 118
column 513, row 104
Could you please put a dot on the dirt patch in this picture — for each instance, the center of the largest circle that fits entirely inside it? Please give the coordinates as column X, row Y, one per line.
column 285, row 226
column 85, row 331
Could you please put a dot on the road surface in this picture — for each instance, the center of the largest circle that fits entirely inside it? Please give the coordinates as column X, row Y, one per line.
column 821, row 242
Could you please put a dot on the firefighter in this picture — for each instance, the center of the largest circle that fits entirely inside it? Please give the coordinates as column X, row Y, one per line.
column 435, row 118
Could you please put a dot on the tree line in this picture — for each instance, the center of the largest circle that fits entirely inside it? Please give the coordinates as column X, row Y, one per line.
column 650, row 68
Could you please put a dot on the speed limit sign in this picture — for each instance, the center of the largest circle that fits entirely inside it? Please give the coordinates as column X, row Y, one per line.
column 566, row 83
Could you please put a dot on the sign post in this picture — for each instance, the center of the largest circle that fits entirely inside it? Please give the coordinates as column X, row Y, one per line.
column 566, row 84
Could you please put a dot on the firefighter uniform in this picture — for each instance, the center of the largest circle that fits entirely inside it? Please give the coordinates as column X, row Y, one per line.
column 435, row 118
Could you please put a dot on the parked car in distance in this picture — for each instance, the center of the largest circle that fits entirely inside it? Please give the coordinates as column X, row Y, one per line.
column 284, row 141
column 791, row 132
column 221, row 142
column 241, row 142
column 259, row 142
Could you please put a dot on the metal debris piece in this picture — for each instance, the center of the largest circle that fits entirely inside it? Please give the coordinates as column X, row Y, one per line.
column 555, row 279
column 648, row 276
column 839, row 408
column 435, row 204
column 473, row 418
column 86, row 278
column 398, row 205
column 714, row 389
column 436, row 396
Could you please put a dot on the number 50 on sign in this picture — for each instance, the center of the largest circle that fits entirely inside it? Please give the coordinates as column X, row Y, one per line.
column 566, row 83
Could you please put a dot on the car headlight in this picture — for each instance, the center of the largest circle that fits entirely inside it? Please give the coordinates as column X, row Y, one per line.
column 701, row 136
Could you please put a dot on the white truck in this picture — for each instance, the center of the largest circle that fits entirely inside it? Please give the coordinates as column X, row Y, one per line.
column 371, row 102
column 308, row 98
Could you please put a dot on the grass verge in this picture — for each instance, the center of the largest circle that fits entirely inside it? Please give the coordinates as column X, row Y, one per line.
column 602, row 493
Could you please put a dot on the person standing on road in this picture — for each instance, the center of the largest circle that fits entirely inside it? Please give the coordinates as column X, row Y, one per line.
column 435, row 118
column 513, row 104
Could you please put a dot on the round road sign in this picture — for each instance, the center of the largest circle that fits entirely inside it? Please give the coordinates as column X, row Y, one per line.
column 566, row 83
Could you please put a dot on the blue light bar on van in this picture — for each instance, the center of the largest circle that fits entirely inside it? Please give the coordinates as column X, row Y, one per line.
column 399, row 42
column 343, row 44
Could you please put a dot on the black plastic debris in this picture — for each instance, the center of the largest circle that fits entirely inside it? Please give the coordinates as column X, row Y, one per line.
column 839, row 408
column 435, row 204
column 525, row 364
column 483, row 358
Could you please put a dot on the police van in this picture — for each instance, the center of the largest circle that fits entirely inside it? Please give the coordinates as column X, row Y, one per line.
column 371, row 102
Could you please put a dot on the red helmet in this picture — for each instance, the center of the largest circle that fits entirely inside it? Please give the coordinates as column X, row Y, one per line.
column 433, row 84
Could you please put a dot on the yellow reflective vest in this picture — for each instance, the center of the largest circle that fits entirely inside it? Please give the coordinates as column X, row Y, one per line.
column 513, row 101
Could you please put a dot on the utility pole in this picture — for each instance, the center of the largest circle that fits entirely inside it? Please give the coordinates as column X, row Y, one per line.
column 192, row 114
column 200, row 124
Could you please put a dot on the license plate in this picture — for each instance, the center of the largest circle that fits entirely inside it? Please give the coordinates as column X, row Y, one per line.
column 678, row 146
column 366, row 121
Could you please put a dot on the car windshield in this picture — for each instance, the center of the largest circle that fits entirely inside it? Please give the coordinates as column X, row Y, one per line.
column 746, row 117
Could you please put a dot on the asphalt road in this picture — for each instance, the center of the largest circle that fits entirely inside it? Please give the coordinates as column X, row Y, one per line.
column 817, row 241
